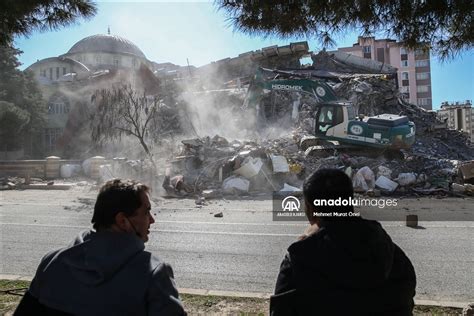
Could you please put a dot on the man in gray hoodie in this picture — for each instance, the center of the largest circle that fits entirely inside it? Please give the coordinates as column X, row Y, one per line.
column 107, row 271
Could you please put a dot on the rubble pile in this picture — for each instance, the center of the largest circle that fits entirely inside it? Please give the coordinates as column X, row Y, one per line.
column 212, row 167
column 373, row 96
column 216, row 166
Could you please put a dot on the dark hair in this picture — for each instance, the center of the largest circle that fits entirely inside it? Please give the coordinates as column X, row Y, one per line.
column 326, row 184
column 116, row 196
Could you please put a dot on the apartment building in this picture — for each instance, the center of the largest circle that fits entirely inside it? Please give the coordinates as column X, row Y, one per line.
column 458, row 116
column 414, row 71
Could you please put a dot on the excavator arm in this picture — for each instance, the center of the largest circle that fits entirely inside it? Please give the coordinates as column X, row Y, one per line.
column 261, row 84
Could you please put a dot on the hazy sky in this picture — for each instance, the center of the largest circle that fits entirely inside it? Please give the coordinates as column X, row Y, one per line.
column 175, row 31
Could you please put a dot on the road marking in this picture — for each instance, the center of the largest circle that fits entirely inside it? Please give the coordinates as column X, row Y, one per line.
column 167, row 231
column 88, row 215
column 384, row 224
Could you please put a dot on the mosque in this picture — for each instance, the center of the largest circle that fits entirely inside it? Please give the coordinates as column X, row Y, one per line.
column 68, row 81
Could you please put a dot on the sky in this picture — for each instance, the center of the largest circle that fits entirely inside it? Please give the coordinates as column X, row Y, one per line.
column 196, row 31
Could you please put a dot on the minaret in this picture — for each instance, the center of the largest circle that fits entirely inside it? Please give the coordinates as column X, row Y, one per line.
column 108, row 29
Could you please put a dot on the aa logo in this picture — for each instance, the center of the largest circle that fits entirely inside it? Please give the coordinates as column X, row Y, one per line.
column 290, row 204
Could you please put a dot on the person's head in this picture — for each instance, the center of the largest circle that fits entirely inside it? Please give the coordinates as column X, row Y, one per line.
column 123, row 205
column 327, row 184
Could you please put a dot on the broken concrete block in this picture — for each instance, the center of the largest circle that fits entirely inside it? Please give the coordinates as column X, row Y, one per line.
column 279, row 164
column 467, row 170
column 459, row 188
column 220, row 214
column 386, row 184
column 364, row 180
column 469, row 188
column 407, row 178
column 384, row 171
column 289, row 188
column 348, row 171
column 209, row 194
column 250, row 167
column 200, row 201
column 235, row 184
column 196, row 142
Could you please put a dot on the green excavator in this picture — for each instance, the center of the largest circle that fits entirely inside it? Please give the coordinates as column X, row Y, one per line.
column 336, row 125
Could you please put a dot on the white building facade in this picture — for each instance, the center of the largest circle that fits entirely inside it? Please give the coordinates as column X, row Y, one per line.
column 458, row 116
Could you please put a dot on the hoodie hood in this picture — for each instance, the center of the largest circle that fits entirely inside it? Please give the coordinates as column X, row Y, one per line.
column 95, row 257
column 358, row 254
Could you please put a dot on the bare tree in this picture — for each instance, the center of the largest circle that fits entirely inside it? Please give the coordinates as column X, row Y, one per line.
column 123, row 111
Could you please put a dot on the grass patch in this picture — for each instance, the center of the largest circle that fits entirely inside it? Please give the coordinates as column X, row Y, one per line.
column 436, row 310
column 203, row 304
column 10, row 296
column 224, row 305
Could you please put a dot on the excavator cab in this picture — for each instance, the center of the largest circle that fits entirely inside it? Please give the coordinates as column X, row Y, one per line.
column 330, row 117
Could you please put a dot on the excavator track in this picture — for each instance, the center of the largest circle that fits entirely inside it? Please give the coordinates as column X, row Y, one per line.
column 314, row 147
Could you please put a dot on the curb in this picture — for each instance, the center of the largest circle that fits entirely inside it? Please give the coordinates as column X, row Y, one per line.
column 14, row 277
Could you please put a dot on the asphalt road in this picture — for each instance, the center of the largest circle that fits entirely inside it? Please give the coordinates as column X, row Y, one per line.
column 242, row 250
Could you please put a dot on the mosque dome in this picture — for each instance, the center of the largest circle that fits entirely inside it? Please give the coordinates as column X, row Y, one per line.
column 107, row 44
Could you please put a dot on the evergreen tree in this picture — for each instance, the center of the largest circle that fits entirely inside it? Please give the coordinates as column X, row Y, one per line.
column 444, row 25
column 21, row 107
column 23, row 17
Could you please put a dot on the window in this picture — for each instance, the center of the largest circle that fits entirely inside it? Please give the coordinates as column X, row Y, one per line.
column 64, row 71
column 366, row 52
column 97, row 59
column 50, row 73
column 424, row 102
column 404, row 63
column 419, row 52
column 58, row 107
column 404, row 75
column 116, row 62
column 57, row 72
column 403, row 51
column 422, row 89
column 422, row 76
column 51, row 135
column 422, row 63
column 405, row 92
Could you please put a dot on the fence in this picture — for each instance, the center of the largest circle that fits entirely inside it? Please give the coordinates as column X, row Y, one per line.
column 49, row 168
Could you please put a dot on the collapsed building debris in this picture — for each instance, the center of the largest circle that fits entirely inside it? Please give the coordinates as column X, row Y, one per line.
column 215, row 167
column 431, row 166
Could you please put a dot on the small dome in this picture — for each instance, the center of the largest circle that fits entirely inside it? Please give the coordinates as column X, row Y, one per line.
column 107, row 44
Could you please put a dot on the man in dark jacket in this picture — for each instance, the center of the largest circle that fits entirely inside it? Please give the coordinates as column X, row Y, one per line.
column 107, row 271
column 343, row 265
